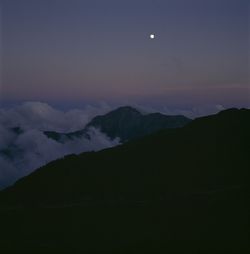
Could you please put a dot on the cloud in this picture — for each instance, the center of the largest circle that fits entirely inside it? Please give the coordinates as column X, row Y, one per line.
column 23, row 152
column 6, row 137
column 41, row 116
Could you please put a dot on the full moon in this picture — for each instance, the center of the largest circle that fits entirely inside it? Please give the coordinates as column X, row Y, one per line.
column 152, row 36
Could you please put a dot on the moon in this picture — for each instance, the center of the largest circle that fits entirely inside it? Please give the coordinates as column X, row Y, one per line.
column 152, row 36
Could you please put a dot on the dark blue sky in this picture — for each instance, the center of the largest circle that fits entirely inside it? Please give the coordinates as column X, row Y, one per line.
column 91, row 50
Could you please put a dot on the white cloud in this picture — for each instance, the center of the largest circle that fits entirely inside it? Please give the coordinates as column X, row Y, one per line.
column 41, row 116
column 22, row 153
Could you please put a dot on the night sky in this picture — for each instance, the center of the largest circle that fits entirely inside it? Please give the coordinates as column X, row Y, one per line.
column 100, row 50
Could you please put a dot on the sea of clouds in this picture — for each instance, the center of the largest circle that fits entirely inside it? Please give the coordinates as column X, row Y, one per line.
column 22, row 153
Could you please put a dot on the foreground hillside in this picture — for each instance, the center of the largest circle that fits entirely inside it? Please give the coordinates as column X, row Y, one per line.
column 177, row 191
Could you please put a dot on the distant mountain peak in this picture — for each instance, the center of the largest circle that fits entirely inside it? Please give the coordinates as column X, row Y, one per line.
column 125, row 110
column 126, row 123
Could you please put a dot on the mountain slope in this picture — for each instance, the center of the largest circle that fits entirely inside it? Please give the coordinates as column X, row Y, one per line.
column 126, row 123
column 209, row 153
column 176, row 191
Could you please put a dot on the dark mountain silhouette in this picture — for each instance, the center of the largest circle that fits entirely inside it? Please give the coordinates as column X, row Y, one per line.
column 176, row 191
column 126, row 123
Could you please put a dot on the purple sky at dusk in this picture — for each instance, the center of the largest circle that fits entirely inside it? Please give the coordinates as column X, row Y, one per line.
column 91, row 50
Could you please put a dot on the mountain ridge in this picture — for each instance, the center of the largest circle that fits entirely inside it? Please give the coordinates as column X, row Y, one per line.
column 182, row 191
column 126, row 123
column 147, row 156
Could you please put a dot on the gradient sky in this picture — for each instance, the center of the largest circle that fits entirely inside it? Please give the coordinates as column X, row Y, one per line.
column 91, row 50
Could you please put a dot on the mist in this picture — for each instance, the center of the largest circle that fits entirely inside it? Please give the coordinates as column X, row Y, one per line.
column 24, row 147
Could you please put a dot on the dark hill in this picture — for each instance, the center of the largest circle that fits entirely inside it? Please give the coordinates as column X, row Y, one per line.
column 127, row 123
column 176, row 191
